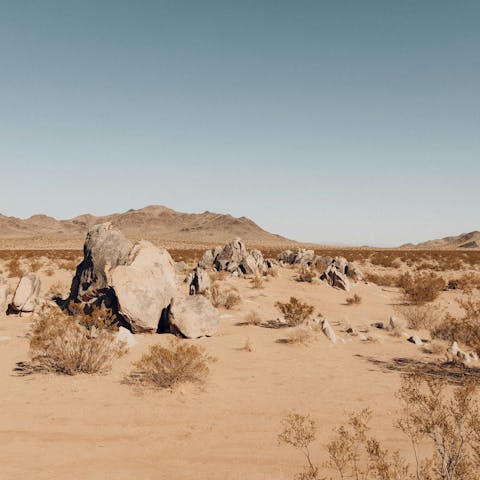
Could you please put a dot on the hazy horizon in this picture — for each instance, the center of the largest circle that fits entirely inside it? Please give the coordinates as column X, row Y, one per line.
column 347, row 122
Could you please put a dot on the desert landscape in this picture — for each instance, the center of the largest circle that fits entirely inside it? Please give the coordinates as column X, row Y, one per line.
column 191, row 362
column 239, row 240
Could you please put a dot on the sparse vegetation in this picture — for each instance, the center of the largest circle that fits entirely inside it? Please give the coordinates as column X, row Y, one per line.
column 422, row 288
column 299, row 336
column 433, row 421
column 167, row 367
column 305, row 274
column 295, row 311
column 257, row 281
column 355, row 300
column 224, row 297
column 60, row 344
column 420, row 316
column 252, row 318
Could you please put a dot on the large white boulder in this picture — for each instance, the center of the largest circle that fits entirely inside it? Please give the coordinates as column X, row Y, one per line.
column 26, row 293
column 3, row 295
column 193, row 317
column 144, row 286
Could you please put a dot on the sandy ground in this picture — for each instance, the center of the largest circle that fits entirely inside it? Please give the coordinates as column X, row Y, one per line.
column 96, row 427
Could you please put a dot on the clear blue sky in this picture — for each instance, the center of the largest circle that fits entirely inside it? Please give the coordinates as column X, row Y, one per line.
column 348, row 121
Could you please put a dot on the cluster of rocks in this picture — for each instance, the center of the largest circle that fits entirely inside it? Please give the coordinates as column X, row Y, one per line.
column 336, row 271
column 235, row 259
column 139, row 283
column 25, row 296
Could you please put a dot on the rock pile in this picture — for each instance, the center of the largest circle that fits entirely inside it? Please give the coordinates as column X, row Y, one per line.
column 138, row 282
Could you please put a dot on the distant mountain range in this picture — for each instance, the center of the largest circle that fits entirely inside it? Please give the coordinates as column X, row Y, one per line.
column 155, row 223
column 464, row 241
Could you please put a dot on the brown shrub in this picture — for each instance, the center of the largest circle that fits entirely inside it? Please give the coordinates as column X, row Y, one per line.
column 252, row 318
column 257, row 282
column 421, row 288
column 14, row 268
column 60, row 344
column 299, row 336
column 294, row 311
column 167, row 367
column 305, row 274
column 224, row 297
column 383, row 280
column 355, row 300
column 420, row 316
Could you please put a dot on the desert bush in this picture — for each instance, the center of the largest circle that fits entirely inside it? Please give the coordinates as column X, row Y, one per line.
column 167, row 367
column 59, row 344
column 257, row 282
column 248, row 346
column 421, row 288
column 383, row 280
column 217, row 276
column 224, row 297
column 14, row 268
column 355, row 300
column 252, row 318
column 434, row 348
column 299, row 336
column 420, row 316
column 93, row 317
column 305, row 274
column 295, row 311
column 272, row 272
column 443, row 430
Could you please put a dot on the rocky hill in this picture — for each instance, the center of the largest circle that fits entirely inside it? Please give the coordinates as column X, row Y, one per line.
column 465, row 240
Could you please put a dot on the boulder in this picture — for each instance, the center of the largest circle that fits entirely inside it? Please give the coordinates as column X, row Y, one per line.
column 321, row 263
column 354, row 272
column 231, row 256
column 105, row 248
column 328, row 331
column 180, row 267
column 304, row 257
column 144, row 286
column 207, row 259
column 199, row 282
column 335, row 278
column 287, row 256
column 193, row 317
column 126, row 337
column 26, row 293
column 341, row 264
column 3, row 295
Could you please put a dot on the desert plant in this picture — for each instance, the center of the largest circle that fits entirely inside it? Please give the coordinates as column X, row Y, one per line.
column 252, row 318
column 299, row 336
column 59, row 344
column 421, row 288
column 167, row 367
column 295, row 311
column 419, row 316
column 355, row 300
column 257, row 281
column 224, row 297
column 248, row 346
column 305, row 274
column 14, row 268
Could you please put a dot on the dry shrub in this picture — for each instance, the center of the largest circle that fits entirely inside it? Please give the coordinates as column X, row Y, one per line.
column 421, row 288
column 295, row 311
column 60, row 344
column 14, row 269
column 224, row 297
column 69, row 264
column 94, row 317
column 305, row 274
column 49, row 272
column 355, row 300
column 217, row 276
column 252, row 318
column 35, row 265
column 167, row 367
column 468, row 281
column 383, row 280
column 434, row 348
column 272, row 272
column 248, row 346
column 443, row 430
column 419, row 316
column 257, row 282
column 299, row 336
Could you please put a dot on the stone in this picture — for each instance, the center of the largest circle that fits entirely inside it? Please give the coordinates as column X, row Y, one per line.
column 193, row 317
column 454, row 349
column 415, row 339
column 328, row 331
column 341, row 264
column 354, row 272
column 352, row 331
column 379, row 325
column 231, row 256
column 144, row 286
column 125, row 336
column 287, row 257
column 321, row 263
column 105, row 248
column 200, row 282
column 180, row 267
column 3, row 295
column 335, row 278
column 26, row 293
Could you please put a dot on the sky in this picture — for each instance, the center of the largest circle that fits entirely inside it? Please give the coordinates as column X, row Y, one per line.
column 355, row 122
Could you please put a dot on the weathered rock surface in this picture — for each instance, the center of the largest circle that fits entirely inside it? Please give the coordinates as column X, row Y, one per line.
column 193, row 317
column 199, row 282
column 126, row 337
column 105, row 248
column 144, row 286
column 335, row 278
column 26, row 293
column 3, row 295
column 328, row 331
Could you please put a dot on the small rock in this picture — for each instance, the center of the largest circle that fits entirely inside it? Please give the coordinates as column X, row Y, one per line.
column 328, row 331
column 379, row 325
column 415, row 339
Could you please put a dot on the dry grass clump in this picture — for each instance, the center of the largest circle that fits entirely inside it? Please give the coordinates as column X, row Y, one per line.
column 217, row 276
column 272, row 272
column 443, row 430
column 252, row 318
column 257, row 282
column 226, row 298
column 383, row 280
column 305, row 274
column 14, row 268
column 355, row 300
column 248, row 346
column 167, row 367
column 420, row 316
column 94, row 317
column 295, row 311
column 299, row 336
column 59, row 344
column 434, row 348
column 421, row 288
